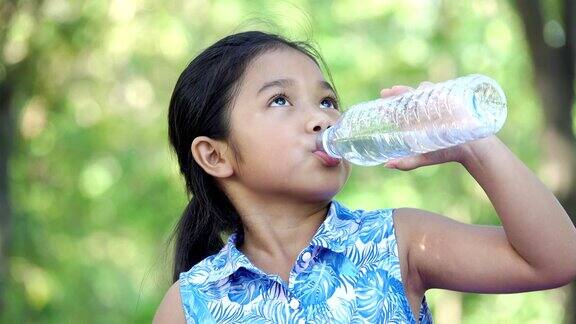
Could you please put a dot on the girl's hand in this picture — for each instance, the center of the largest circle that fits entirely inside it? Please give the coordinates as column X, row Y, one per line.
column 456, row 153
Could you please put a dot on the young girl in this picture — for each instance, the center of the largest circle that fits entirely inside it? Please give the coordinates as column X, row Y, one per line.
column 243, row 121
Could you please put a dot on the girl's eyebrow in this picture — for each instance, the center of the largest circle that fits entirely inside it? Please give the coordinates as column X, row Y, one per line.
column 285, row 83
column 282, row 83
column 326, row 85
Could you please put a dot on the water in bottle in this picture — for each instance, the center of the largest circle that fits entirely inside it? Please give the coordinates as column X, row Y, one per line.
column 418, row 121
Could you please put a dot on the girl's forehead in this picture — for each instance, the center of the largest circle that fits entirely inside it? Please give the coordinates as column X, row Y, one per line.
column 282, row 63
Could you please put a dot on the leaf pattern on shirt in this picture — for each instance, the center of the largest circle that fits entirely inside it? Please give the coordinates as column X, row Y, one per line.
column 350, row 272
column 316, row 286
column 246, row 286
column 372, row 292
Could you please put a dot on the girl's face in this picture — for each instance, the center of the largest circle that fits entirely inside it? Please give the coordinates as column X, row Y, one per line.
column 283, row 103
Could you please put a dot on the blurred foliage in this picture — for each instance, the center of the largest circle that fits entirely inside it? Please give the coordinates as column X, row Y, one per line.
column 96, row 190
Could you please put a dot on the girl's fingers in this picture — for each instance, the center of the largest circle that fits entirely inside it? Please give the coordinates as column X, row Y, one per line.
column 384, row 92
column 424, row 85
column 408, row 163
column 395, row 90
column 404, row 164
column 399, row 89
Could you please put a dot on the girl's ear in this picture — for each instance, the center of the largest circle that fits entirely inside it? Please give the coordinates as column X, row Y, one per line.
column 212, row 156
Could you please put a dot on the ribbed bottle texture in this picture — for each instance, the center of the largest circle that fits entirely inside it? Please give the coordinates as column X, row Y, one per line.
column 423, row 120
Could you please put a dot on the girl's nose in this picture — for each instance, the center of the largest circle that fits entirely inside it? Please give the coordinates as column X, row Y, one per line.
column 319, row 123
column 319, row 119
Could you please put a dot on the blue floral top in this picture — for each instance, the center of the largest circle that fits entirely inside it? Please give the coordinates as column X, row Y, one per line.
column 350, row 272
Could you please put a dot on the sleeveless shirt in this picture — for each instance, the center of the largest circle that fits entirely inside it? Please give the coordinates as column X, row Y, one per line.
column 349, row 273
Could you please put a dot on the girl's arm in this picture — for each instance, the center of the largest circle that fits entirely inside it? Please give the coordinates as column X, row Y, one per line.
column 535, row 248
column 536, row 225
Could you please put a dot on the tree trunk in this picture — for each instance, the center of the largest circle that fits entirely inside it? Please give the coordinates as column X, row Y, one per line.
column 554, row 80
column 7, row 10
column 6, row 136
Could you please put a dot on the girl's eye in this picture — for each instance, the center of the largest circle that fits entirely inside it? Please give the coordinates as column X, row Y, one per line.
column 329, row 102
column 279, row 100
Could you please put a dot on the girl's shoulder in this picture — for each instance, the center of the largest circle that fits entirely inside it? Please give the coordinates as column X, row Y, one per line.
column 170, row 309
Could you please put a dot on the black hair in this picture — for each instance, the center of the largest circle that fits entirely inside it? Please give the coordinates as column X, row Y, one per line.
column 200, row 106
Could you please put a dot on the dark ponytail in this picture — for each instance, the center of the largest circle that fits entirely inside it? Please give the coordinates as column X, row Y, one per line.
column 200, row 107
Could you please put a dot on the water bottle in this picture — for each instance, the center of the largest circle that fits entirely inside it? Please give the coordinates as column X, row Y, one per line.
column 418, row 121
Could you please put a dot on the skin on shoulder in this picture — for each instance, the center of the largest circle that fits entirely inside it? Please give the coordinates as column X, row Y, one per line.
column 411, row 279
column 170, row 309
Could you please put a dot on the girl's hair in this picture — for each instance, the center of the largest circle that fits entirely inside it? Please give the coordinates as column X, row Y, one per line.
column 200, row 106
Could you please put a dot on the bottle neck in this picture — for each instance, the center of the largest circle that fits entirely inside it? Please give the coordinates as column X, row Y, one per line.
column 320, row 141
column 323, row 142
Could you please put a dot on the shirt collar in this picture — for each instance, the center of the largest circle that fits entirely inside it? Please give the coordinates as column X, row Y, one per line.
column 338, row 231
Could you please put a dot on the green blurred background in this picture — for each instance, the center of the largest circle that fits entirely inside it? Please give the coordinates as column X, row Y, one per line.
column 91, row 190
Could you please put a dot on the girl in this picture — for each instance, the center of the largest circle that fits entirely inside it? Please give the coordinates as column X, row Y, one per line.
column 243, row 121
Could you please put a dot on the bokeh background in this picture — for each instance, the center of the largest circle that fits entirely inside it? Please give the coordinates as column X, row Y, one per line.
column 89, row 191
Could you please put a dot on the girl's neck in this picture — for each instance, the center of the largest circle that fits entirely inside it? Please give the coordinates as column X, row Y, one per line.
column 278, row 238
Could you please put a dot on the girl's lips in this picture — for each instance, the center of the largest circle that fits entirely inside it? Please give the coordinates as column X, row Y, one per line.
column 328, row 160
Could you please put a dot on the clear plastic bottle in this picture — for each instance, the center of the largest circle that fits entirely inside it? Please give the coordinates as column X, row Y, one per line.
column 423, row 120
